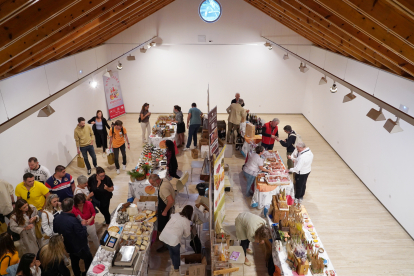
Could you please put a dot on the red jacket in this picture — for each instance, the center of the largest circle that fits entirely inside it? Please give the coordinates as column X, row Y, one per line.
column 88, row 211
column 266, row 132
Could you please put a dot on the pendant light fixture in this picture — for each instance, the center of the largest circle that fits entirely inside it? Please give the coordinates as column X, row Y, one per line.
column 286, row 56
column 349, row 97
column 323, row 81
column 393, row 126
column 119, row 66
column 376, row 115
column 333, row 88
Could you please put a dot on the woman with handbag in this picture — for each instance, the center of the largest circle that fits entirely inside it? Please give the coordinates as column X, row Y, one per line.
column 52, row 258
column 99, row 126
column 52, row 208
column 144, row 120
column 179, row 120
column 177, row 227
column 8, row 253
column 85, row 210
column 23, row 222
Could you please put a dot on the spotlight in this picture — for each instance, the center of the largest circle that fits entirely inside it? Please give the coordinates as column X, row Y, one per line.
column 333, row 88
column 149, row 45
column 267, row 44
column 393, row 126
column 349, row 97
column 376, row 115
column 286, row 56
column 93, row 83
column 270, row 48
column 143, row 50
column 153, row 44
column 323, row 81
column 119, row 66
column 46, row 111
column 130, row 57
column 303, row 69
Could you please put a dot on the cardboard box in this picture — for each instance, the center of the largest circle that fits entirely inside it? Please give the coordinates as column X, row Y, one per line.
column 193, row 259
column 203, row 142
column 148, row 198
column 250, row 130
column 194, row 153
column 204, row 134
column 193, row 270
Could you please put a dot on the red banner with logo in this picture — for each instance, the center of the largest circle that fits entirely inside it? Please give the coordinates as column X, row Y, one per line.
column 113, row 95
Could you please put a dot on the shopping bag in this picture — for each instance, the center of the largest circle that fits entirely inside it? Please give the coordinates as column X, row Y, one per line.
column 111, row 158
column 81, row 162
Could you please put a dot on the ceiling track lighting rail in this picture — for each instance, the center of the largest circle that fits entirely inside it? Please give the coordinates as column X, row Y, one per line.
column 376, row 101
column 23, row 115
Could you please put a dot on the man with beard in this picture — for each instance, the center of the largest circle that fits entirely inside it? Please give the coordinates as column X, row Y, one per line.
column 84, row 138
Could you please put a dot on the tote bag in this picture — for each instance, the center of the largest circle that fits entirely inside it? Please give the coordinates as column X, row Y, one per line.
column 80, row 161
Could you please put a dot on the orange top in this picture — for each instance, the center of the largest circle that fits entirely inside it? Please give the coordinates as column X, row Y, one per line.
column 118, row 137
column 14, row 259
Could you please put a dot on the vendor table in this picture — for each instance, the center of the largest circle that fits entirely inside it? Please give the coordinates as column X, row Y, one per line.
column 102, row 267
column 136, row 189
column 155, row 140
column 280, row 256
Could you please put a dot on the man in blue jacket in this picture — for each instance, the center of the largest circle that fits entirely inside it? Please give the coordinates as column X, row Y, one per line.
column 74, row 235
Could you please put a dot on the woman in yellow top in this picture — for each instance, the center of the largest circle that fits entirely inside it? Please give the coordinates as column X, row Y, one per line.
column 8, row 253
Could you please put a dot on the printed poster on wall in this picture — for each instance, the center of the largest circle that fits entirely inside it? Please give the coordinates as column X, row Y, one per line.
column 113, row 95
column 219, row 187
column 212, row 130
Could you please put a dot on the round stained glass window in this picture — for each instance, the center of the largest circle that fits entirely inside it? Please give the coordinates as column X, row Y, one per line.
column 210, row 11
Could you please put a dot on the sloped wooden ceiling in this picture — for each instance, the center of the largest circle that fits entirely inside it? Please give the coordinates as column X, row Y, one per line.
column 376, row 32
column 35, row 32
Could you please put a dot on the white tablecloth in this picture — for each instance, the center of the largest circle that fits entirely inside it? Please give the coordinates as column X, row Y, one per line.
column 155, row 140
column 265, row 198
column 280, row 257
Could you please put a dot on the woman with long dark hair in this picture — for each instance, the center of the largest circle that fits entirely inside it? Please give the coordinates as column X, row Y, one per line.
column 179, row 119
column 86, row 211
column 172, row 163
column 102, row 187
column 99, row 126
column 144, row 120
column 29, row 266
column 177, row 227
column 8, row 253
column 52, row 258
column 23, row 222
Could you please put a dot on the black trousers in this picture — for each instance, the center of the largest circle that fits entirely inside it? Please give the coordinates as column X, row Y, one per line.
column 104, row 208
column 85, row 255
column 101, row 140
column 300, row 185
column 116, row 155
column 245, row 244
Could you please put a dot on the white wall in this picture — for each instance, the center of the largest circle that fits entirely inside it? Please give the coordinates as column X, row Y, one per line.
column 178, row 71
column 49, row 139
column 381, row 160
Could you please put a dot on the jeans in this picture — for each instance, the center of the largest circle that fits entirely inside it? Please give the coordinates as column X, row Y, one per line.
column 250, row 180
column 245, row 244
column 192, row 134
column 232, row 132
column 85, row 255
column 175, row 255
column 116, row 155
column 91, row 151
column 268, row 147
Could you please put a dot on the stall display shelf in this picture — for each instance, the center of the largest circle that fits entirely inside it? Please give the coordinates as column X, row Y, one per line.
column 280, row 255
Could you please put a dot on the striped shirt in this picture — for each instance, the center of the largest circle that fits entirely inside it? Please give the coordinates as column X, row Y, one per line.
column 63, row 188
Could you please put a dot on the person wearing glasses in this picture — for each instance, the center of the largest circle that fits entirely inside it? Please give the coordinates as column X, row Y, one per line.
column 34, row 192
column 102, row 187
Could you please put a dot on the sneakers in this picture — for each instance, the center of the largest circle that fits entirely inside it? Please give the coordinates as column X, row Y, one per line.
column 185, row 149
column 89, row 172
column 249, row 251
column 118, row 172
column 104, row 155
column 124, row 167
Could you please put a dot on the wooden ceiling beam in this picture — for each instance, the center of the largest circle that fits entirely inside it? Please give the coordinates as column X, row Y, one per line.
column 327, row 34
column 372, row 29
column 40, row 48
column 347, row 40
column 384, row 14
column 38, row 19
column 113, row 15
column 130, row 22
column 405, row 6
column 9, row 8
column 316, row 40
column 302, row 24
column 70, row 19
column 363, row 38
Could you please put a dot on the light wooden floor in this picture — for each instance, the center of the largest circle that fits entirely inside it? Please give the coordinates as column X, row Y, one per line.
column 359, row 234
